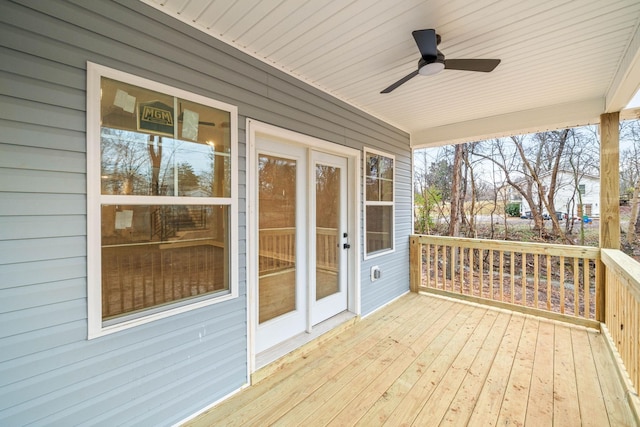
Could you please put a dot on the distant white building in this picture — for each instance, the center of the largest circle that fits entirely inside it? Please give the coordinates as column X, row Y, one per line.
column 574, row 200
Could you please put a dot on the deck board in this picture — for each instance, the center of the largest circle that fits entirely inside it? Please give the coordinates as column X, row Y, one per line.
column 426, row 360
column 540, row 401
column 516, row 396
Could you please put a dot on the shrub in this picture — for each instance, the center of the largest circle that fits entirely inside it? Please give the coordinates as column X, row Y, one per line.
column 512, row 209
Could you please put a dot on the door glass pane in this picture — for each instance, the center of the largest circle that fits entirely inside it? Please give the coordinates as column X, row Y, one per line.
column 327, row 230
column 277, row 236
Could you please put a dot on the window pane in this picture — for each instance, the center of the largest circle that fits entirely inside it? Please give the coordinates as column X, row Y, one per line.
column 386, row 190
column 127, row 107
column 386, row 167
column 373, row 190
column 155, row 255
column 140, row 154
column 205, row 148
column 372, row 166
column 125, row 163
column 379, row 228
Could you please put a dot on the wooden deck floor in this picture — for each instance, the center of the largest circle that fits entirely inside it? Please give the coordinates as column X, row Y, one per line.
column 429, row 361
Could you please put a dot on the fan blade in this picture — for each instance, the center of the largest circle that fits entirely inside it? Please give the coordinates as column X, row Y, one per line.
column 484, row 65
column 427, row 42
column 401, row 81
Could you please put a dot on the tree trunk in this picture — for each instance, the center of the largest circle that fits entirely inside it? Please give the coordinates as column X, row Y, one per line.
column 454, row 225
column 155, row 154
column 634, row 220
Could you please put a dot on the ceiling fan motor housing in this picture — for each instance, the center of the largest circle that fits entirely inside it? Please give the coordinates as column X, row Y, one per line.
column 430, row 65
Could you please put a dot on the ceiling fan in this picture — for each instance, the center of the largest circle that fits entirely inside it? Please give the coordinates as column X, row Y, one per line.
column 432, row 61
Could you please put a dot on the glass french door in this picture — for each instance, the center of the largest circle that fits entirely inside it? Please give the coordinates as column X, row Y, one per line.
column 329, row 235
column 302, row 217
column 282, row 243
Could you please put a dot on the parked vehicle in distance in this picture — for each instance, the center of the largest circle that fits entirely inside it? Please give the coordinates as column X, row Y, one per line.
column 561, row 216
column 528, row 215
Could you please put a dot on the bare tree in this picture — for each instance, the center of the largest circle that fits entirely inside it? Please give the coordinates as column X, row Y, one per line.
column 505, row 154
column 630, row 176
column 549, row 150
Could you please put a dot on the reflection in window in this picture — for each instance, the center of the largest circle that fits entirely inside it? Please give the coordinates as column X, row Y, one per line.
column 276, row 236
column 156, row 148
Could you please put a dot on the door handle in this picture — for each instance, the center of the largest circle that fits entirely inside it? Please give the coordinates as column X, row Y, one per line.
column 346, row 246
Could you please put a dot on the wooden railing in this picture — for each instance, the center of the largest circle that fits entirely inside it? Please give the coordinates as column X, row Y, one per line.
column 278, row 248
column 560, row 281
column 140, row 276
column 622, row 312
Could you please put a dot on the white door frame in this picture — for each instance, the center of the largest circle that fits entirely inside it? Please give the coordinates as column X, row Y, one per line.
column 354, row 160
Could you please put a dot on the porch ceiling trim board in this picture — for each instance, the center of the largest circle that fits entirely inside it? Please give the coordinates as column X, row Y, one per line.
column 627, row 79
column 519, row 122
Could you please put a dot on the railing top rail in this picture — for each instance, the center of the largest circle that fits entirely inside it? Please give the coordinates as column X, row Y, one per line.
column 278, row 230
column 510, row 246
column 625, row 266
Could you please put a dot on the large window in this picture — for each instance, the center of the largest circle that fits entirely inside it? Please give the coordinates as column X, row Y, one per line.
column 161, row 200
column 379, row 206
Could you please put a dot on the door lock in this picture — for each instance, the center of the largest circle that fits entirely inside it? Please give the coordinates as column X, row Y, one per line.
column 346, row 246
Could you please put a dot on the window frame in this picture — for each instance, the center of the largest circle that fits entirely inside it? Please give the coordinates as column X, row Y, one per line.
column 368, row 203
column 95, row 199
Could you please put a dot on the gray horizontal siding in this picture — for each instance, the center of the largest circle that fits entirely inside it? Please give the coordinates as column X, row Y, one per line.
column 31, row 227
column 42, row 204
column 43, row 159
column 39, row 295
column 18, row 251
column 33, row 273
column 31, row 135
column 27, row 181
column 163, row 371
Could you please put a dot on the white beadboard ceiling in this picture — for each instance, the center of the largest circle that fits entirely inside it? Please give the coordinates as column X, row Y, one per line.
column 564, row 62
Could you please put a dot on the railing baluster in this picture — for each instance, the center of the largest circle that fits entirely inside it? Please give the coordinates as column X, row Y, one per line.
column 523, row 267
column 548, row 282
column 576, row 287
column 513, row 276
column 491, row 293
column 587, row 289
column 428, row 266
column 445, row 265
column 470, row 271
column 453, row 267
column 436, row 267
column 481, row 272
column 536, row 281
column 501, row 276
column 562, row 301
column 461, row 270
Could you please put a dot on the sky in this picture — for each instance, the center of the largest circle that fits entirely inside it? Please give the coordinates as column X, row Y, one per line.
column 635, row 101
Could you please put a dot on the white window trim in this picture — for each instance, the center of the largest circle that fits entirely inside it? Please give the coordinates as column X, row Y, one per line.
column 378, row 203
column 96, row 328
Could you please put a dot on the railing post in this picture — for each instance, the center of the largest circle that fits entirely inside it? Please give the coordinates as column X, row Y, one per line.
column 415, row 264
